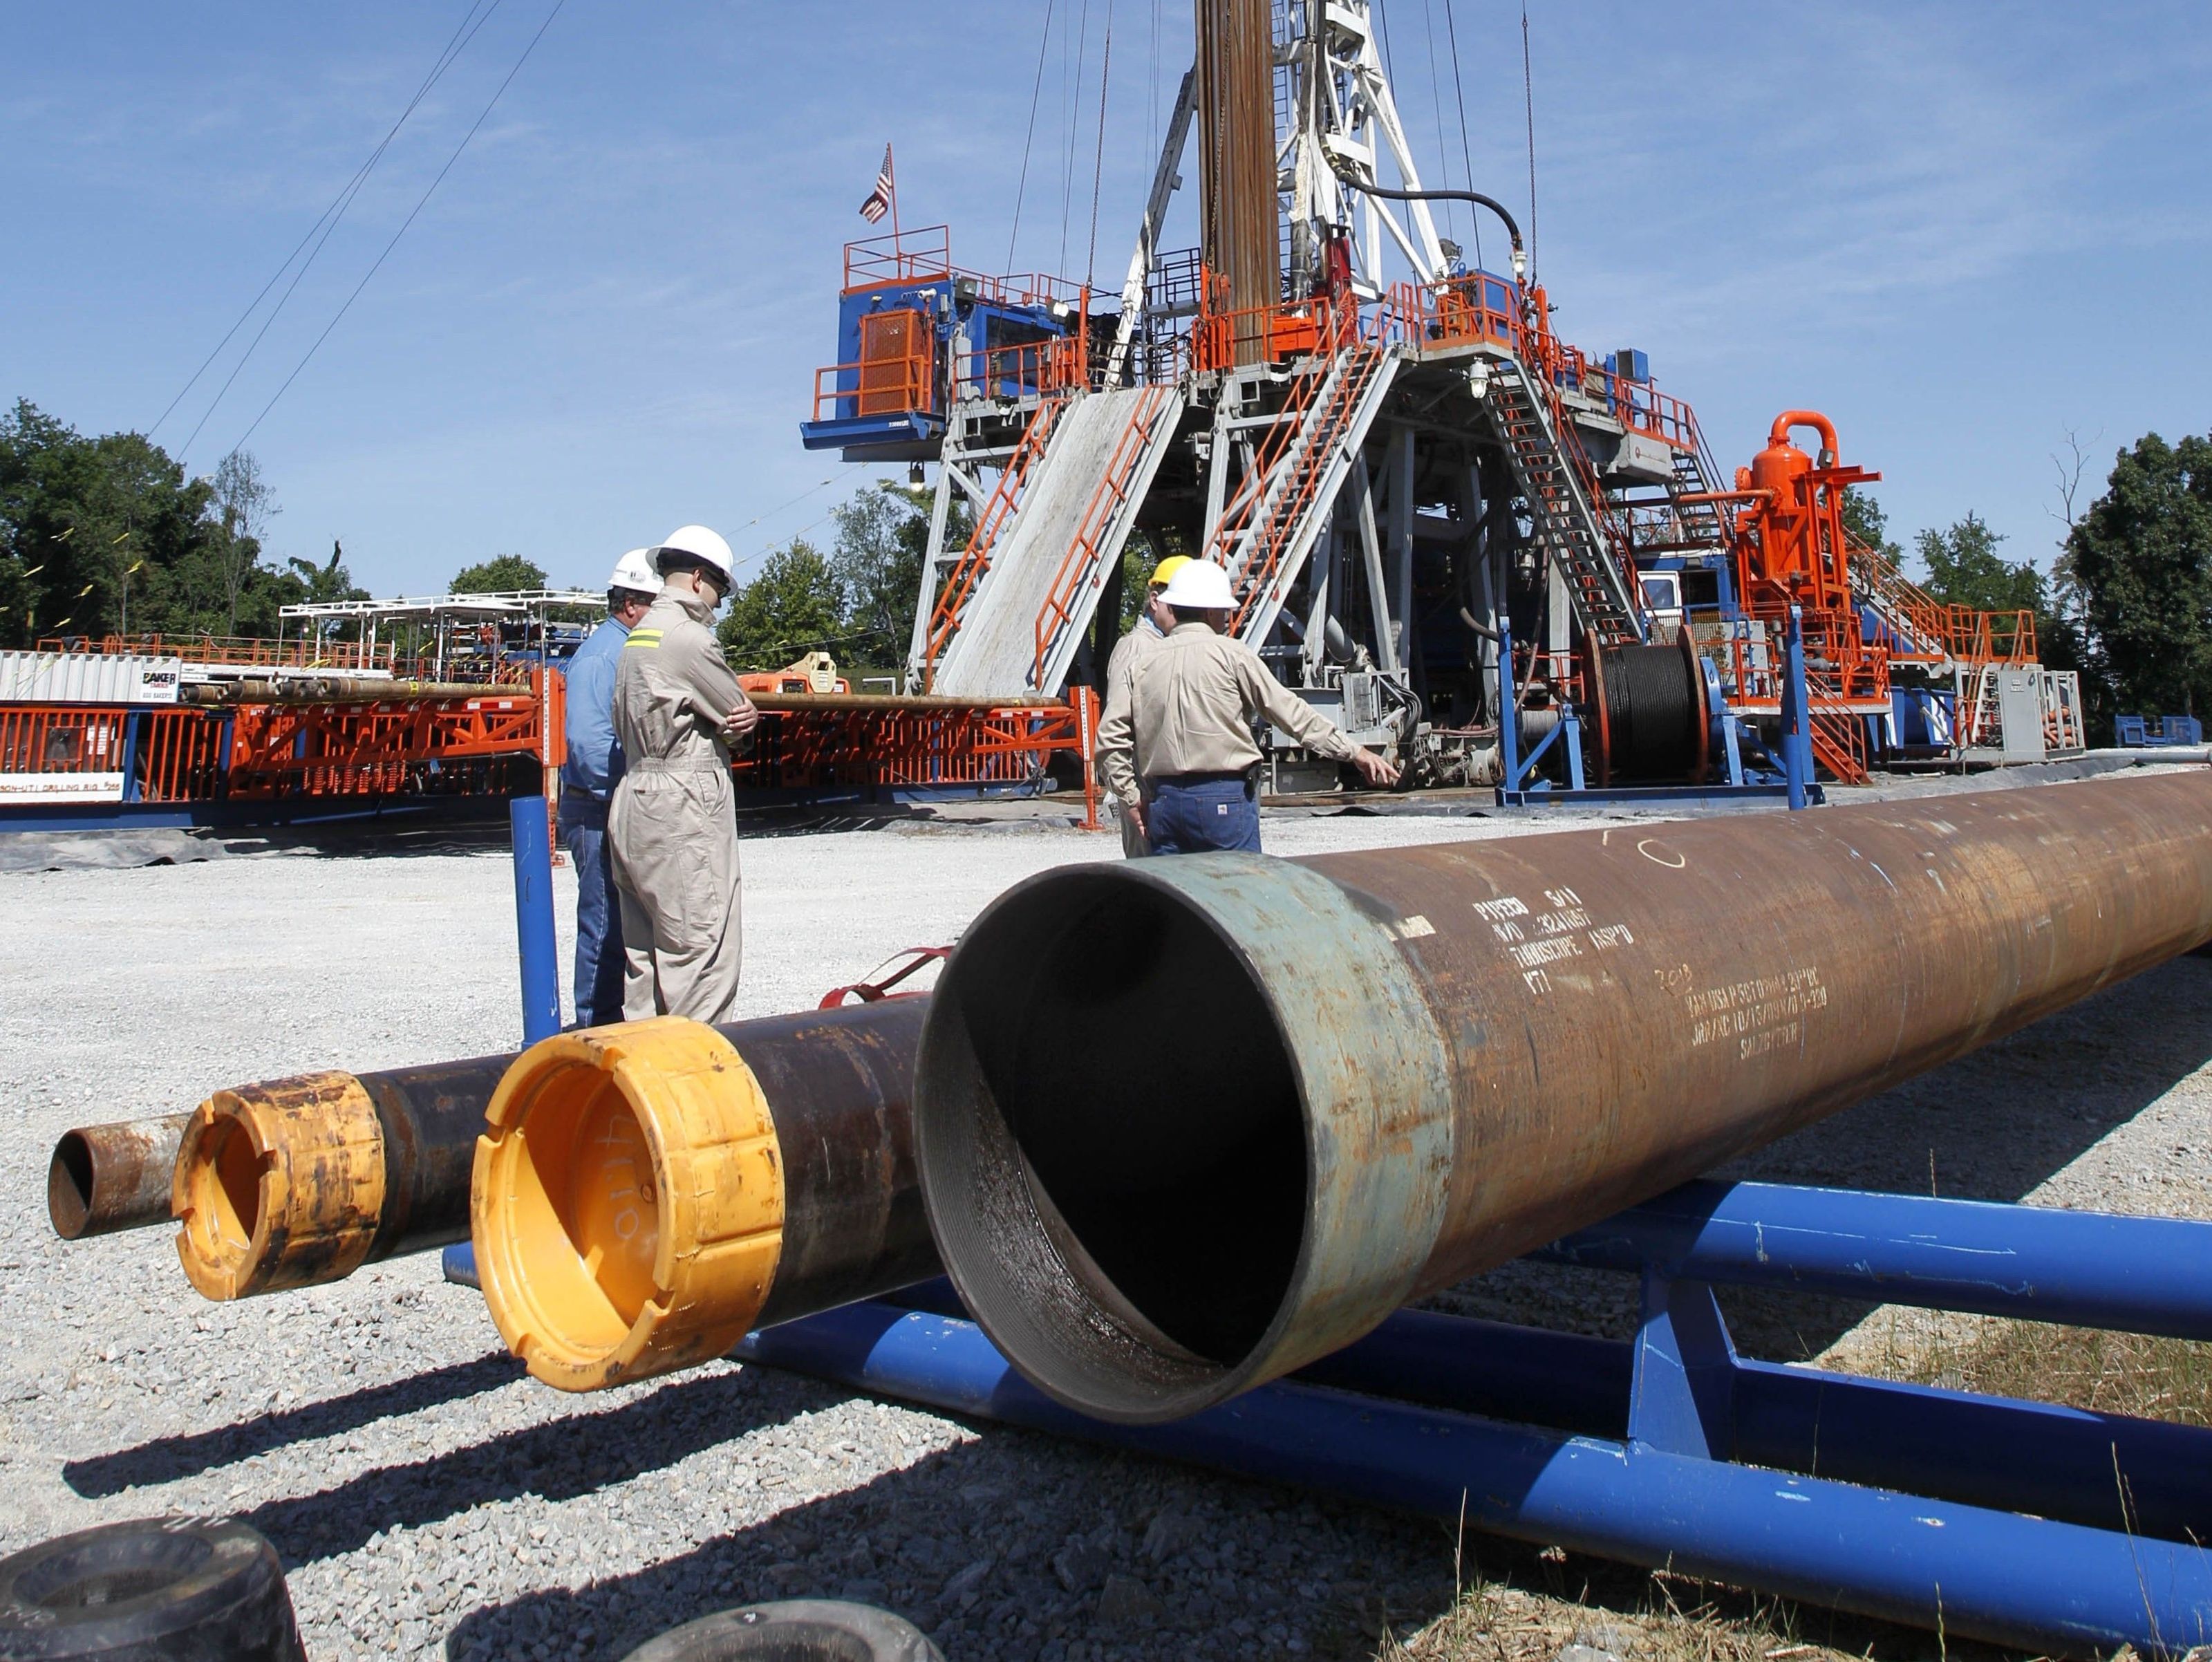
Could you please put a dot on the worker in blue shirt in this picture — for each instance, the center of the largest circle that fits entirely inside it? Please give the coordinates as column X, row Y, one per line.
column 587, row 781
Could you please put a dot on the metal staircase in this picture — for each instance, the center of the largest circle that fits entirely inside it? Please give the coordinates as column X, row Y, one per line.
column 966, row 576
column 1563, row 507
column 1699, row 523
column 1013, row 611
column 1270, row 527
column 1108, row 518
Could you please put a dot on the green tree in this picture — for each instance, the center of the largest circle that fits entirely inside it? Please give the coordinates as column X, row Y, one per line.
column 1864, row 522
column 107, row 536
column 794, row 604
column 2142, row 558
column 882, row 543
column 99, row 535
column 243, row 504
column 883, row 535
column 1964, row 567
column 502, row 574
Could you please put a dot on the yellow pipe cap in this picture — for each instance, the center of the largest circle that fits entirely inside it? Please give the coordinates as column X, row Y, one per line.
column 627, row 1202
column 279, row 1184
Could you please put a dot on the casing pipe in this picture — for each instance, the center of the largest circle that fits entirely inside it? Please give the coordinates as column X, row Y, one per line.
column 1185, row 1125
column 770, row 1162
column 647, row 1193
column 299, row 1181
column 106, row 1178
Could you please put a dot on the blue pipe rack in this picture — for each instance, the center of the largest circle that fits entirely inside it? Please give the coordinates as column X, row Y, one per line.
column 2021, row 1522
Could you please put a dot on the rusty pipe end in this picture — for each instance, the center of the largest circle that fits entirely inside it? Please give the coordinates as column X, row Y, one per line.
column 106, row 1178
column 1183, row 1126
column 279, row 1184
column 627, row 1202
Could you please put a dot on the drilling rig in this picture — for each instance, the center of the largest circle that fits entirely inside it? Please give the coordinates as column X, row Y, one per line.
column 1463, row 538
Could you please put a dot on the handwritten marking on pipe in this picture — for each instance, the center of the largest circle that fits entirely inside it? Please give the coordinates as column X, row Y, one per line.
column 1672, row 861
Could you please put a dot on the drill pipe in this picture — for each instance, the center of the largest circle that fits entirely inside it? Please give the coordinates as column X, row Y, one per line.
column 106, row 1178
column 647, row 1193
column 296, row 1182
column 1185, row 1125
column 344, row 690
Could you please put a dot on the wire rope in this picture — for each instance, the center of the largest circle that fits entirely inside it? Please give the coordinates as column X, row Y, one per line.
column 423, row 202
column 453, row 48
column 1466, row 149
column 1098, row 158
column 1529, row 102
column 1436, row 104
column 1036, row 91
column 1070, row 82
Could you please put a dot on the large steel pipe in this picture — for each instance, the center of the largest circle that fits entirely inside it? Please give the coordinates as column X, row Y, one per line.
column 1186, row 1124
column 295, row 1182
column 646, row 1195
column 106, row 1178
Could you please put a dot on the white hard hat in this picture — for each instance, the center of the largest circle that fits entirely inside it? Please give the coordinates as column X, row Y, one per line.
column 636, row 571
column 704, row 545
column 1202, row 586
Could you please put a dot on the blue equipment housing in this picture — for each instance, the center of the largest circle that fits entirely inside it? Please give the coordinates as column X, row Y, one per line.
column 901, row 347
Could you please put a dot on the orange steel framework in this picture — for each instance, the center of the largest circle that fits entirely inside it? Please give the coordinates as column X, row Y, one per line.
column 1781, row 530
column 506, row 741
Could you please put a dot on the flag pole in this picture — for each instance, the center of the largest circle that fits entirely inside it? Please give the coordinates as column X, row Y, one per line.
column 890, row 173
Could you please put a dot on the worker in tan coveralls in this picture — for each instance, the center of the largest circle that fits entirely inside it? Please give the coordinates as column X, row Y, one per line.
column 673, row 825
column 1153, row 623
column 1179, row 755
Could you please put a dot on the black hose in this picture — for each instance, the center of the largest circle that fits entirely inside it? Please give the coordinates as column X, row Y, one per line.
column 1512, row 226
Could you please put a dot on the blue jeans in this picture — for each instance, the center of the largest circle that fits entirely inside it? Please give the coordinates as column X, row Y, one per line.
column 1218, row 813
column 598, row 923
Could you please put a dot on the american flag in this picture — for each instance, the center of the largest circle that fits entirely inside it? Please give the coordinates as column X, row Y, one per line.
column 879, row 200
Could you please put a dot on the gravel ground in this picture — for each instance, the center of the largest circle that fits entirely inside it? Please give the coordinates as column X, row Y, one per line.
column 431, row 1500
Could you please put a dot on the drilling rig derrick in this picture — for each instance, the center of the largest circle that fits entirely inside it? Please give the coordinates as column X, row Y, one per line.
column 1375, row 430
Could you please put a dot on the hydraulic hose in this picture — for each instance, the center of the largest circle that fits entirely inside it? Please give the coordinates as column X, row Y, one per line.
column 647, row 1193
column 106, row 1178
column 1476, row 197
column 1185, row 1125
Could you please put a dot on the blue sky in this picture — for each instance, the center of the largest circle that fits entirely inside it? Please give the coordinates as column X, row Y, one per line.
column 1960, row 230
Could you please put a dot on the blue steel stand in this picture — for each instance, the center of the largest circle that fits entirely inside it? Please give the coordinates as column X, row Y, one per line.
column 533, row 918
column 538, row 948
column 1797, row 730
column 2019, row 1522
column 1519, row 785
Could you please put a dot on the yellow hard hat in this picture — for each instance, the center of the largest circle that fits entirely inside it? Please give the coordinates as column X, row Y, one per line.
column 1167, row 569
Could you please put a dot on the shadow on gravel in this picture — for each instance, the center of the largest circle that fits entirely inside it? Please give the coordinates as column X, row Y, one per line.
column 979, row 1545
column 561, row 1459
column 1993, row 1125
column 166, row 1459
column 1009, row 1547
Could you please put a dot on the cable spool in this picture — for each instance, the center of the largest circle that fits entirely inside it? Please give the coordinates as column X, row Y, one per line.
column 1649, row 713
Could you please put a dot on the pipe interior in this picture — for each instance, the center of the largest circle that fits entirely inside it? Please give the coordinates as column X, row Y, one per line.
column 1137, row 1127
column 582, row 1212
column 225, row 1190
column 69, row 1184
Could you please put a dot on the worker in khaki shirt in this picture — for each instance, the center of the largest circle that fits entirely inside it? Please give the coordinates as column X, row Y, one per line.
column 1153, row 623
column 1187, row 731
column 673, row 825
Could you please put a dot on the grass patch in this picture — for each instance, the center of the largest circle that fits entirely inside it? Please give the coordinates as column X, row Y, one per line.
column 2150, row 1379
